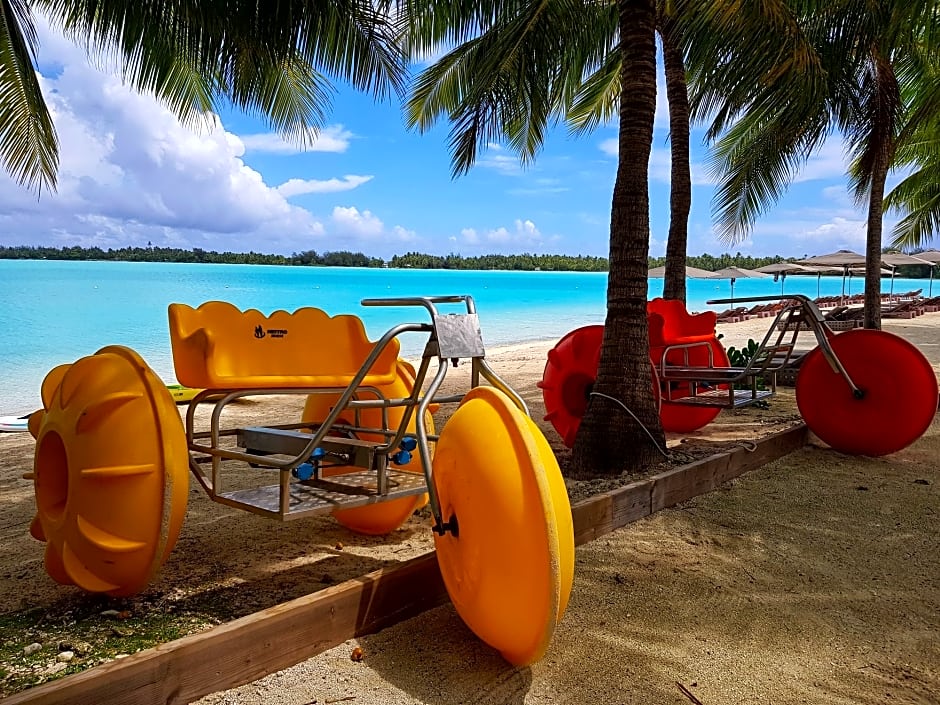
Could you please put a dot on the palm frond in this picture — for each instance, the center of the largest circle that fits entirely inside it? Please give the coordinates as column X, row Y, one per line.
column 599, row 98
column 193, row 55
column 517, row 74
column 755, row 162
column 28, row 143
column 918, row 198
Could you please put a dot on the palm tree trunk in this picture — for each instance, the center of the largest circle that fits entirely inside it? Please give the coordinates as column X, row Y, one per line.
column 886, row 104
column 873, row 242
column 680, row 188
column 610, row 440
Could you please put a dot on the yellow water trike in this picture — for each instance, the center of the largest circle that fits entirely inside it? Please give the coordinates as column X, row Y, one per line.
column 113, row 455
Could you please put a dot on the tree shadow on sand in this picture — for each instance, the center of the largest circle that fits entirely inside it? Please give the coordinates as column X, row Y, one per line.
column 437, row 659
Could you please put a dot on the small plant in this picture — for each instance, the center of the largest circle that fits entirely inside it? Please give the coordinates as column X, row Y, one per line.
column 741, row 358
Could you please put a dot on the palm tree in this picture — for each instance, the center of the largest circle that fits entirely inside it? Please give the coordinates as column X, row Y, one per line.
column 828, row 66
column 607, row 437
column 193, row 55
column 516, row 65
column 598, row 102
column 680, row 180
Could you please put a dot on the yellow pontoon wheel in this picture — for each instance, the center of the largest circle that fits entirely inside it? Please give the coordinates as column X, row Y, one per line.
column 382, row 517
column 110, row 472
column 510, row 567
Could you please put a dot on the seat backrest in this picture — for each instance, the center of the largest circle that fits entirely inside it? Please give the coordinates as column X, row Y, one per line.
column 218, row 346
column 678, row 325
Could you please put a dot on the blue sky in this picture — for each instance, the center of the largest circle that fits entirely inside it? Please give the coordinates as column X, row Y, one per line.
column 130, row 174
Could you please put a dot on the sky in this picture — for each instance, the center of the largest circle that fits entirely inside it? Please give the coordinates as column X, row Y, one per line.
column 131, row 174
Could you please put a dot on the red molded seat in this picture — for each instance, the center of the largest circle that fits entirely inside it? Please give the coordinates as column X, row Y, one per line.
column 671, row 324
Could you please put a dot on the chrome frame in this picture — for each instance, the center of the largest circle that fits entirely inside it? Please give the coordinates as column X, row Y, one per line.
column 770, row 357
column 459, row 336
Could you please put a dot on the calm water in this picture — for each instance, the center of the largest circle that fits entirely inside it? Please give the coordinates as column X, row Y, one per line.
column 56, row 312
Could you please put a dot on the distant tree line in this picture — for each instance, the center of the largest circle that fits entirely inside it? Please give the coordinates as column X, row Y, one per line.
column 309, row 258
column 411, row 260
column 524, row 262
column 713, row 263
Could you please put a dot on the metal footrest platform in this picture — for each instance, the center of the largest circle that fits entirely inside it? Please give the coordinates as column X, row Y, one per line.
column 353, row 489
column 723, row 398
column 700, row 374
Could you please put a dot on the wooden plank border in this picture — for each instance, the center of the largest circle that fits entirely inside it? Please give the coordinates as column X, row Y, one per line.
column 249, row 648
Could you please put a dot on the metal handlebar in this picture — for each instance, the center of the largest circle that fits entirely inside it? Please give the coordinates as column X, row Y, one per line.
column 796, row 297
column 426, row 301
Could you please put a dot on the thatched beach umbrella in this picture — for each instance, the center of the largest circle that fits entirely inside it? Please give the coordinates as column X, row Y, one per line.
column 782, row 269
column 840, row 258
column 819, row 271
column 690, row 273
column 894, row 259
column 733, row 273
column 932, row 256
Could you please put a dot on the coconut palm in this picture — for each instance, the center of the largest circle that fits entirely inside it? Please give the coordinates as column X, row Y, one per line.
column 598, row 103
column 194, row 55
column 680, row 178
column 831, row 66
column 516, row 65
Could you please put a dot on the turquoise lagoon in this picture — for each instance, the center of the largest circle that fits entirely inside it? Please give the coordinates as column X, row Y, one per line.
column 56, row 312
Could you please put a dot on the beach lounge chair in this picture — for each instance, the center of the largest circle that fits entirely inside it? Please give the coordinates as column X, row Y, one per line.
column 905, row 309
column 931, row 305
column 835, row 314
column 732, row 315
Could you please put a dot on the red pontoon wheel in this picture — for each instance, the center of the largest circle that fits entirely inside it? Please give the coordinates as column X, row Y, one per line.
column 569, row 377
column 898, row 400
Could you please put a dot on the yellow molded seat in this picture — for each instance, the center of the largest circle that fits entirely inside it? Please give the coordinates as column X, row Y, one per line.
column 218, row 346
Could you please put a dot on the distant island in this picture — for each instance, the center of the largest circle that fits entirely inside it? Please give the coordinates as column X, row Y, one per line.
column 410, row 260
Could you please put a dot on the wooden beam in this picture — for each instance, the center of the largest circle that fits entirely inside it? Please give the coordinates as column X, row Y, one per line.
column 254, row 646
column 268, row 641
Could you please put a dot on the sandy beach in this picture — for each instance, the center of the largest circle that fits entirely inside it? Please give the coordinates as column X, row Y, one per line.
column 815, row 579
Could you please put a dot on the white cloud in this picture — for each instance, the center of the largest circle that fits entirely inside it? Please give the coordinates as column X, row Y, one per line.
column 827, row 162
column 403, row 234
column 352, row 222
column 130, row 173
column 610, row 146
column 523, row 234
column 296, row 187
column 541, row 187
column 470, row 236
column 661, row 168
column 334, row 138
column 809, row 232
column 496, row 157
column 837, row 194
column 349, row 223
column 840, row 232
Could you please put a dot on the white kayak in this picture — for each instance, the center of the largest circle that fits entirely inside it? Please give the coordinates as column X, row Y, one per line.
column 12, row 424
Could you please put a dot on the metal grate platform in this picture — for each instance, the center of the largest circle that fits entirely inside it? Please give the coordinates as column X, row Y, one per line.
column 354, row 489
column 722, row 398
